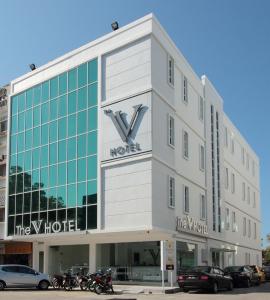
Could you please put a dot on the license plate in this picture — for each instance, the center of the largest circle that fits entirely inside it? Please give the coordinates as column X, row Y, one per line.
column 191, row 277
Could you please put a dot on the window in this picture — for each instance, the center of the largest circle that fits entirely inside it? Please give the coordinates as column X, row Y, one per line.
column 171, row 192
column 233, row 183
column 227, row 219
column 234, row 227
column 201, row 108
column 253, row 168
column 3, row 126
column 243, row 191
column 249, row 228
column 247, row 161
column 185, row 89
column 248, row 195
column 255, row 231
column 244, row 226
column 243, row 155
column 171, row 131
column 185, row 144
column 186, row 199
column 226, row 178
column 232, row 145
column 254, row 199
column 202, row 158
column 226, row 137
column 170, row 70
column 203, row 207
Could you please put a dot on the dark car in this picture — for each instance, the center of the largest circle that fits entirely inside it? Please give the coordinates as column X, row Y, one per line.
column 242, row 276
column 266, row 270
column 204, row 278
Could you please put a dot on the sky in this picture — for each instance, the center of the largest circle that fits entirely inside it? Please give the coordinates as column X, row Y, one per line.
column 228, row 40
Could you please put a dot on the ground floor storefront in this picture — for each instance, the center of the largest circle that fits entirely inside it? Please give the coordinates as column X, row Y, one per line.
column 16, row 253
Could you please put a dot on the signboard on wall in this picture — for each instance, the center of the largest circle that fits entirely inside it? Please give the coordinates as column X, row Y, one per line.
column 167, row 255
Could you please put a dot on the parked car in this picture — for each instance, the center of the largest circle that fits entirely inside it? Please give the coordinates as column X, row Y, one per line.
column 259, row 272
column 266, row 270
column 204, row 278
column 22, row 276
column 242, row 275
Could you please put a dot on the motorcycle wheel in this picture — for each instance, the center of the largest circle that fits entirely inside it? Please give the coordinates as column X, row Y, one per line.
column 55, row 283
column 67, row 286
column 83, row 285
column 98, row 289
column 91, row 286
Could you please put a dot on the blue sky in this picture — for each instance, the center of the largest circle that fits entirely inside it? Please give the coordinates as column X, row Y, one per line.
column 227, row 40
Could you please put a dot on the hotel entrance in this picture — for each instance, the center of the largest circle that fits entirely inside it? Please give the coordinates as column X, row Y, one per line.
column 186, row 255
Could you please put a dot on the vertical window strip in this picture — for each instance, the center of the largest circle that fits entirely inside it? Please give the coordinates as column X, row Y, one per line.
column 202, row 158
column 203, row 207
column 218, row 173
column 201, row 108
column 170, row 70
column 171, row 192
column 185, row 89
column 213, row 168
column 171, row 131
column 185, row 144
column 227, row 219
column 244, row 226
column 186, row 199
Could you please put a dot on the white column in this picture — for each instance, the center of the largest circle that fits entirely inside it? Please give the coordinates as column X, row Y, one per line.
column 92, row 257
column 46, row 259
column 35, row 256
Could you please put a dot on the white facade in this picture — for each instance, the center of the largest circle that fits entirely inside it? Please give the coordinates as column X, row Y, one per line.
column 166, row 173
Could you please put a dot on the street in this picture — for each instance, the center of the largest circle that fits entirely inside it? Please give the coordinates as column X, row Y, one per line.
column 255, row 293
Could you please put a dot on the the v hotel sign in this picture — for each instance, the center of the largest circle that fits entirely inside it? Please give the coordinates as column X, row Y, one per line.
column 126, row 130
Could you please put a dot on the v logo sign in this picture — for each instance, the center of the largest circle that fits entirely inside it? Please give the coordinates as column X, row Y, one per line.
column 125, row 130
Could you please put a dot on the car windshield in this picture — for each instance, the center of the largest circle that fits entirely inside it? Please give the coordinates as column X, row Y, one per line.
column 233, row 269
column 200, row 269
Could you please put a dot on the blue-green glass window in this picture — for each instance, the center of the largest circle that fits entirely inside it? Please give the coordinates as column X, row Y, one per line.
column 53, row 109
column 62, row 83
column 44, row 134
column 12, row 184
column 44, row 156
column 13, row 144
column 53, row 153
column 62, row 106
column 92, row 217
column 14, row 105
column 21, row 102
column 44, row 178
column 92, row 71
column 92, row 167
column 71, row 148
column 53, row 131
column 29, row 98
column 81, row 194
column 71, row 177
column 27, row 182
column 81, row 119
column 92, row 118
column 19, row 183
column 52, row 195
column 53, row 175
column 72, row 102
column 28, row 139
column 37, row 94
column 62, row 175
column 20, row 142
column 62, row 196
column 36, row 116
column 81, row 169
column 21, row 122
column 62, row 156
column 44, row 113
column 82, row 98
column 62, row 128
column 92, row 143
column 14, row 124
column 92, row 192
column 43, row 202
column 27, row 160
column 92, row 94
column 81, row 151
column 35, row 163
column 13, row 161
column 82, row 75
column 71, row 195
column 26, row 206
column 19, row 203
column 45, row 91
column 36, row 136
column 54, row 87
column 35, row 179
column 72, row 79
column 28, row 119
column 35, row 203
column 71, row 125
column 20, row 161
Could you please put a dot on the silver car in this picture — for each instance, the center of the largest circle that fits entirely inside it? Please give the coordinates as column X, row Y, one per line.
column 22, row 276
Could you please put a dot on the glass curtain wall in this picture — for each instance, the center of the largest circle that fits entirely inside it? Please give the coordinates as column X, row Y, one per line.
column 53, row 151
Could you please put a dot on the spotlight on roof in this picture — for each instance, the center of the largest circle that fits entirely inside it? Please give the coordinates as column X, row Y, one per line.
column 32, row 67
column 115, row 25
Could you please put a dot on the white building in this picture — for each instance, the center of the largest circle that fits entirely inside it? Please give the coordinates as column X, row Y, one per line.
column 146, row 150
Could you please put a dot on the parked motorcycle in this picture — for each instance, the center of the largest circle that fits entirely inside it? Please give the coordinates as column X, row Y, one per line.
column 58, row 281
column 103, row 283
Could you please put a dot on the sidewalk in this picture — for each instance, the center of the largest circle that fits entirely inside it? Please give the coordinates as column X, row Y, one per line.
column 139, row 289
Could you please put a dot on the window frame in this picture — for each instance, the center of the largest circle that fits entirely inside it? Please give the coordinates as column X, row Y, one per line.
column 170, row 70
column 185, row 89
column 185, row 144
column 171, row 131
column 171, row 191
column 202, row 158
column 203, row 209
column 186, row 199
